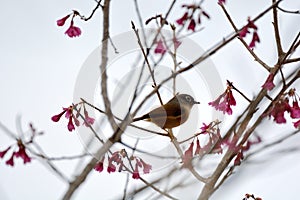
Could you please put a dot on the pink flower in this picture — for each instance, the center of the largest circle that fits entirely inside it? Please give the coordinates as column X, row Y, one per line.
column 278, row 110
column 99, row 166
column 146, row 167
column 295, row 110
column 205, row 127
column 176, row 43
column 87, row 119
column 297, row 124
column 71, row 126
column 116, row 157
column 73, row 31
column 11, row 160
column 160, row 48
column 2, row 153
column 22, row 153
column 228, row 100
column 56, row 118
column 221, row 1
column 182, row 20
column 192, row 25
column 269, row 85
column 135, row 174
column 111, row 168
column 255, row 39
column 188, row 155
column 239, row 158
column 62, row 21
column 244, row 32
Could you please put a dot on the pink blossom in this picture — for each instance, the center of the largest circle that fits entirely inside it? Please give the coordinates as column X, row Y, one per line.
column 111, row 168
column 146, row 167
column 87, row 119
column 221, row 1
column 269, row 85
column 278, row 110
column 2, row 153
column 22, row 153
column 11, row 160
column 73, row 31
column 255, row 39
column 297, row 124
column 182, row 20
column 188, row 155
column 176, row 43
column 192, row 25
column 71, row 126
column 62, row 21
column 99, row 166
column 160, row 48
column 243, row 32
column 136, row 174
column 56, row 118
column 228, row 100
column 295, row 110
column 239, row 158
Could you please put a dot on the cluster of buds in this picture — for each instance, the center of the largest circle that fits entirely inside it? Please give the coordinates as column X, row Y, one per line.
column 117, row 160
column 190, row 16
column 72, row 31
column 212, row 146
column 224, row 101
column 246, row 29
column 282, row 105
column 20, row 148
column 69, row 114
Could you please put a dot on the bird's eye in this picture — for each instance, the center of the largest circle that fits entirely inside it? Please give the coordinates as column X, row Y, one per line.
column 188, row 98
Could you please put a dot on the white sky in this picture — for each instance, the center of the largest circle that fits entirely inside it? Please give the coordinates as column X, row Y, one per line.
column 38, row 70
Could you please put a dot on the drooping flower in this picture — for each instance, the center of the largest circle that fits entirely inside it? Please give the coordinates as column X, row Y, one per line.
column 297, row 124
column 2, row 153
column 135, row 173
column 99, row 166
column 160, row 48
column 269, row 85
column 11, row 160
column 116, row 157
column 69, row 115
column 295, row 110
column 245, row 31
column 183, row 19
column 146, row 167
column 188, row 155
column 255, row 38
column 87, row 119
column 22, row 153
column 225, row 105
column 176, row 43
column 279, row 109
column 73, row 31
column 62, row 21
column 192, row 25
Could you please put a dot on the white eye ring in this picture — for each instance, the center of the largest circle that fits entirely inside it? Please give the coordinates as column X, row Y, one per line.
column 188, row 98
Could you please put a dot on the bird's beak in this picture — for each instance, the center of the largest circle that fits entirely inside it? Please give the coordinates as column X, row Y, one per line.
column 196, row 102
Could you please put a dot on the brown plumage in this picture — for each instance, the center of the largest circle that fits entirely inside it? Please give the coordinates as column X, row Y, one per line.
column 172, row 114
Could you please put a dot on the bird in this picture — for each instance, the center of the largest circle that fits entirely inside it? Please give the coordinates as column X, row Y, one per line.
column 172, row 114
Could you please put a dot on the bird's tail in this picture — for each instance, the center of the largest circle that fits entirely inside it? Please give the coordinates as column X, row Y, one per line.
column 141, row 118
